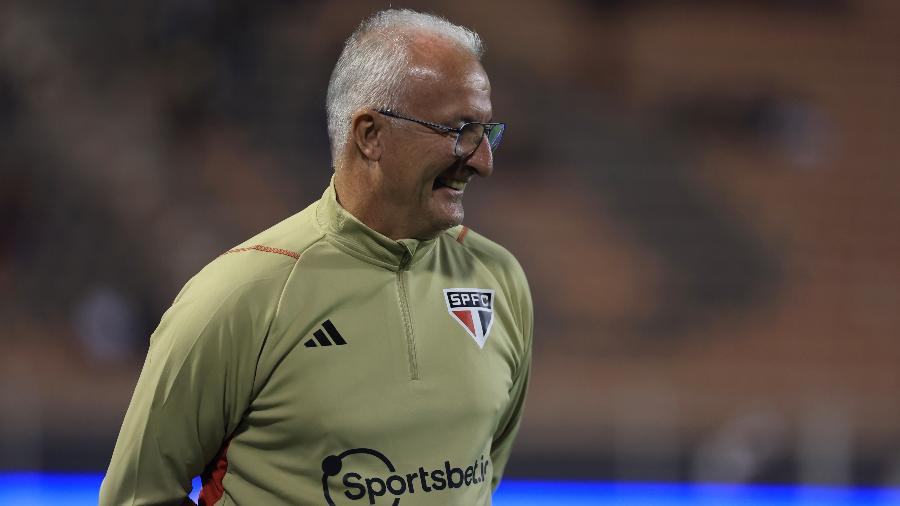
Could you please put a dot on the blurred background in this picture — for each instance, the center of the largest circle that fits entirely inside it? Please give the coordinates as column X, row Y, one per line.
column 703, row 194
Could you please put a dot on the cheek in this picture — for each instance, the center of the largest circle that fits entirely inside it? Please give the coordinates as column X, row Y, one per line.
column 414, row 166
column 427, row 169
column 399, row 171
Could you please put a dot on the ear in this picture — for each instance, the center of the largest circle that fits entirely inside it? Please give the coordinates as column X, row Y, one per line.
column 367, row 130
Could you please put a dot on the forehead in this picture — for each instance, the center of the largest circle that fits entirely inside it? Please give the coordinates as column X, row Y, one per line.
column 445, row 81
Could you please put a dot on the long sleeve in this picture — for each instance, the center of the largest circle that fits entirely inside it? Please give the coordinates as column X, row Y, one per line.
column 503, row 440
column 509, row 425
column 195, row 385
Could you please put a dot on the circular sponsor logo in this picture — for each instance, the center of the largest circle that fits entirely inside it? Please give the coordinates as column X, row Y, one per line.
column 355, row 475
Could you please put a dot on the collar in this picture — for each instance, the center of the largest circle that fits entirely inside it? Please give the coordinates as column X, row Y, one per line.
column 358, row 240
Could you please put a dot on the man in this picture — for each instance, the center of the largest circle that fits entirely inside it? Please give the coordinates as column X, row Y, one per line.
column 368, row 350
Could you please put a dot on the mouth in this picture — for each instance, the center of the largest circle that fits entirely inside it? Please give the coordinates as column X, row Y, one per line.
column 453, row 184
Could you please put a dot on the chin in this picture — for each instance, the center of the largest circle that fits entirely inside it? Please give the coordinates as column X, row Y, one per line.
column 442, row 221
column 452, row 217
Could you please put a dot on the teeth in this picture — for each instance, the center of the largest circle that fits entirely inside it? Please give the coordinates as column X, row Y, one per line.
column 456, row 185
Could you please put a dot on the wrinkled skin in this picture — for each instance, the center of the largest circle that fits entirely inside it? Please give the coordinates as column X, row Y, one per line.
column 395, row 172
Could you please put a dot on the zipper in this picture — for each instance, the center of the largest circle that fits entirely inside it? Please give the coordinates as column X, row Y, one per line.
column 403, row 292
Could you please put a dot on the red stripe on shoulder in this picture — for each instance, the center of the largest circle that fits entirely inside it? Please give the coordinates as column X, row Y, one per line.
column 462, row 235
column 212, row 477
column 266, row 249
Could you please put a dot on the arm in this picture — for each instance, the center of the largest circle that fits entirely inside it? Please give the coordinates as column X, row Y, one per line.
column 192, row 391
column 509, row 425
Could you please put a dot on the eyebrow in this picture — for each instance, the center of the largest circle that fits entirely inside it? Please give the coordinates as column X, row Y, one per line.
column 468, row 118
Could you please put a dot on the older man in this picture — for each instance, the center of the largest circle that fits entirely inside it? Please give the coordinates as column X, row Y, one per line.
column 368, row 350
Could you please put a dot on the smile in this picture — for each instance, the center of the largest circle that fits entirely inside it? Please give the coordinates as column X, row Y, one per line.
column 450, row 183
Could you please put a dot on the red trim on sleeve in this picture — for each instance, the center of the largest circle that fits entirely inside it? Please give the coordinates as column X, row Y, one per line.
column 266, row 249
column 212, row 478
column 462, row 235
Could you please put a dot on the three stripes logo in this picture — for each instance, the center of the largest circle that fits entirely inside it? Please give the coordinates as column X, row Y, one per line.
column 320, row 339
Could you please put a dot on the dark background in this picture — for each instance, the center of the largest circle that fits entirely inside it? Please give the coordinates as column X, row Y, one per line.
column 703, row 194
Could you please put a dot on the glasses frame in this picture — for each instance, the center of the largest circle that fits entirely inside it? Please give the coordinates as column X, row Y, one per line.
column 488, row 127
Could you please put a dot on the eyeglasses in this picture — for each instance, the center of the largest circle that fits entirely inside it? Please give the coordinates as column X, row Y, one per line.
column 468, row 136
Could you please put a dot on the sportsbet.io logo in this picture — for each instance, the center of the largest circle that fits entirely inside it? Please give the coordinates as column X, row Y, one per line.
column 391, row 485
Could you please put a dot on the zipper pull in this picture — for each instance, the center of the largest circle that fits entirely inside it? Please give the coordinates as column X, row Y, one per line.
column 404, row 260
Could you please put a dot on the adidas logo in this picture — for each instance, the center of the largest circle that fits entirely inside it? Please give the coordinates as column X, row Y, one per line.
column 320, row 339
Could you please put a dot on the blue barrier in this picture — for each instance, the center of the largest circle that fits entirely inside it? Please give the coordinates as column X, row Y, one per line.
column 45, row 489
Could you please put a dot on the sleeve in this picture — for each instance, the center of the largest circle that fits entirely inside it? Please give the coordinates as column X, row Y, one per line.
column 509, row 424
column 194, row 387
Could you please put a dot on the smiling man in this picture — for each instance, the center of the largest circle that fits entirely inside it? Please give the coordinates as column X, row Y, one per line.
column 368, row 350
column 421, row 166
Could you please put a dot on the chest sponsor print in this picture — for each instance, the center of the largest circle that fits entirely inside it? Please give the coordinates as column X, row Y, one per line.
column 473, row 309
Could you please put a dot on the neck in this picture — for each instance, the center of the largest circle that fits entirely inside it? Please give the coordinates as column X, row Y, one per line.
column 357, row 192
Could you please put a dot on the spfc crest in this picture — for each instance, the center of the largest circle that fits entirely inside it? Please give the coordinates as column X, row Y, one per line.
column 473, row 308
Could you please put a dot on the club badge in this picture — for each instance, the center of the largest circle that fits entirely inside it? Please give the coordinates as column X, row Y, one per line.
column 473, row 308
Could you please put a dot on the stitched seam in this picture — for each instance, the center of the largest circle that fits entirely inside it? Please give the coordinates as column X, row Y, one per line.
column 266, row 249
column 403, row 299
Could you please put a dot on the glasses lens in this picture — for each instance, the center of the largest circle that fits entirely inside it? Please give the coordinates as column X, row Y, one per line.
column 495, row 135
column 469, row 138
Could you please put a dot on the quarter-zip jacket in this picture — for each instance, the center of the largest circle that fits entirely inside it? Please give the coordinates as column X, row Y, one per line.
column 321, row 363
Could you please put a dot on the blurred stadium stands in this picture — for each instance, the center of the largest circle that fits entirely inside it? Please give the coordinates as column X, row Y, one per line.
column 704, row 196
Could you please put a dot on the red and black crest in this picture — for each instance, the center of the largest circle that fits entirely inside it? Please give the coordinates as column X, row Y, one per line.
column 473, row 308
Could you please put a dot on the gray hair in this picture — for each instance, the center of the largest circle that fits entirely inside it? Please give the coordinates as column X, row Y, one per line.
column 371, row 69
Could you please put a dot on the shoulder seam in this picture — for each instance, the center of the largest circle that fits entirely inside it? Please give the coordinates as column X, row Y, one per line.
column 462, row 235
column 265, row 249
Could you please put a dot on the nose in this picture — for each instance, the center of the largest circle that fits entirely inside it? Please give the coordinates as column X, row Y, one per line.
column 482, row 160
